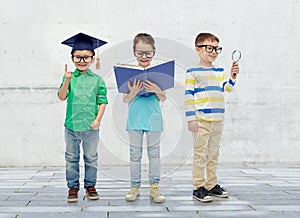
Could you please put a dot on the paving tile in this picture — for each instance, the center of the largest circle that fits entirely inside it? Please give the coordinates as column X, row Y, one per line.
column 261, row 190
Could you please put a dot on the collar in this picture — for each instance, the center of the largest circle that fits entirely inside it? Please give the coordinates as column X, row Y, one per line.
column 78, row 73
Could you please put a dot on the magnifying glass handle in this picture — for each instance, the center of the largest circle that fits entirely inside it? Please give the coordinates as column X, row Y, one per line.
column 234, row 74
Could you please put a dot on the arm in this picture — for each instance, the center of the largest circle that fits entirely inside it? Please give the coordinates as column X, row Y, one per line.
column 101, row 101
column 190, row 111
column 63, row 91
column 229, row 84
column 152, row 87
column 96, row 123
column 134, row 89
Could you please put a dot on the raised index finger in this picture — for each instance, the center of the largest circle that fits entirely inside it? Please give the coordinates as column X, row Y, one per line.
column 66, row 68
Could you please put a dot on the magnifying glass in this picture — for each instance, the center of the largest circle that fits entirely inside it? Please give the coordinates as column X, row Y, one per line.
column 236, row 56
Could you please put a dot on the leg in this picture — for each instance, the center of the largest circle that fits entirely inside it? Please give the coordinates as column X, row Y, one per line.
column 200, row 153
column 213, row 154
column 153, row 149
column 136, row 153
column 90, row 156
column 72, row 157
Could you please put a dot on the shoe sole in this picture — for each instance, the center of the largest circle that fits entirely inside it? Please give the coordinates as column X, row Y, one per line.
column 220, row 196
column 157, row 201
column 72, row 200
column 131, row 200
column 203, row 200
column 92, row 197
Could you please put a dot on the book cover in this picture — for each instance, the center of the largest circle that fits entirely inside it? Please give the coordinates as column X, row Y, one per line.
column 161, row 74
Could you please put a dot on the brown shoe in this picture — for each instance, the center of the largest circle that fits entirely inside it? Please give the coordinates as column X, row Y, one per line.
column 73, row 195
column 91, row 193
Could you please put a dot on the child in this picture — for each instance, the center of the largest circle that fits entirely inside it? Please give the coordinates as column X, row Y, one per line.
column 86, row 94
column 204, row 99
column 144, row 117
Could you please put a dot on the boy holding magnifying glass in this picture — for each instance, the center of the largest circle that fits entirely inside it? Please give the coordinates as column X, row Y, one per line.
column 205, row 106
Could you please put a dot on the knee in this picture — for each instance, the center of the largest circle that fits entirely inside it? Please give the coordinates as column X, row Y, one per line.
column 72, row 157
column 90, row 157
column 135, row 155
column 153, row 153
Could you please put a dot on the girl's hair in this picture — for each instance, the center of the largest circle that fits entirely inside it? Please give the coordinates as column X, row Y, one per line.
column 144, row 37
column 205, row 36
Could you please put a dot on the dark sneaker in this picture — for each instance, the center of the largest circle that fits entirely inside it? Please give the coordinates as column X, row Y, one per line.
column 218, row 191
column 91, row 193
column 201, row 194
column 72, row 195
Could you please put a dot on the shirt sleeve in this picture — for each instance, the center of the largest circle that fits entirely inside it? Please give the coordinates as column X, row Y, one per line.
column 190, row 111
column 102, row 93
column 228, row 84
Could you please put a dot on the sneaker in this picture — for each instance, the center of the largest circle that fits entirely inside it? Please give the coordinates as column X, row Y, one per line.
column 218, row 191
column 72, row 195
column 154, row 193
column 91, row 193
column 132, row 194
column 201, row 194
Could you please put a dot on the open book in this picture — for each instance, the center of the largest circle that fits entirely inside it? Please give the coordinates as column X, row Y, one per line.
column 161, row 74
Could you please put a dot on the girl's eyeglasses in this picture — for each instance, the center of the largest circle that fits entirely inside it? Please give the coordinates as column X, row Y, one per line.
column 148, row 54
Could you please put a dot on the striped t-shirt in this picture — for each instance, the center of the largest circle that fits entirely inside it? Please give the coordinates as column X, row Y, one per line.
column 204, row 93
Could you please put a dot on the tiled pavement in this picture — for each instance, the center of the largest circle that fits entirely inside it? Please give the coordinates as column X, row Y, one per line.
column 263, row 190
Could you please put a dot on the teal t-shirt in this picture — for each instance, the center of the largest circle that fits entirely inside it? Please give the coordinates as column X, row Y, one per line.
column 144, row 113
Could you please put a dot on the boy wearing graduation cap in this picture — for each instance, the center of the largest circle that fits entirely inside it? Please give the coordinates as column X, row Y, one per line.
column 86, row 101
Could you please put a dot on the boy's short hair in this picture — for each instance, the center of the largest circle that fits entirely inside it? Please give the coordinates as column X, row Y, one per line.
column 144, row 37
column 205, row 36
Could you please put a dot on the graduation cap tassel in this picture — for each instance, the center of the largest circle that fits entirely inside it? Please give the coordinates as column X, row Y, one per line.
column 97, row 62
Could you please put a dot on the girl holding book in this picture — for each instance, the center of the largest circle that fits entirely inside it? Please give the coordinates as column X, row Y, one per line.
column 144, row 118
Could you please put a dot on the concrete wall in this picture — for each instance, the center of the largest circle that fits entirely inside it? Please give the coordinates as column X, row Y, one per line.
column 262, row 121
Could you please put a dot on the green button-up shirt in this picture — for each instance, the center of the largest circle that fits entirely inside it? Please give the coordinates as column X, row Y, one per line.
column 86, row 91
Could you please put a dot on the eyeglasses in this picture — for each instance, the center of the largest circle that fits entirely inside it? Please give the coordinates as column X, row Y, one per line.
column 86, row 59
column 148, row 54
column 210, row 48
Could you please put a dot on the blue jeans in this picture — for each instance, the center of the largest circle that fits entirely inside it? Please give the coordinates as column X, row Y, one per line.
column 89, row 140
column 136, row 153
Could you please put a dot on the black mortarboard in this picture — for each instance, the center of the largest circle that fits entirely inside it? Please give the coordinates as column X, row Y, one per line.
column 82, row 41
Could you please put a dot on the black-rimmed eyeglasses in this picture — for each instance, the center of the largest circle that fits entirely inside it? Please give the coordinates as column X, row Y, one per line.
column 148, row 54
column 210, row 48
column 86, row 59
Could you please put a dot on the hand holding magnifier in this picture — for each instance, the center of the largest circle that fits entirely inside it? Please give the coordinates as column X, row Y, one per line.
column 236, row 56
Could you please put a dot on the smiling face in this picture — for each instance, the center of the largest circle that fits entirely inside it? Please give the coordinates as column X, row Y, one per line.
column 207, row 58
column 143, row 53
column 86, row 58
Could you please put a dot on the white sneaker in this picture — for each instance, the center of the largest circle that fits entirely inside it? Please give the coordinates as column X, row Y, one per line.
column 154, row 193
column 132, row 194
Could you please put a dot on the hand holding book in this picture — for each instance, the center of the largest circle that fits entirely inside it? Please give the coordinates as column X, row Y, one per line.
column 151, row 87
column 154, row 79
column 136, row 86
